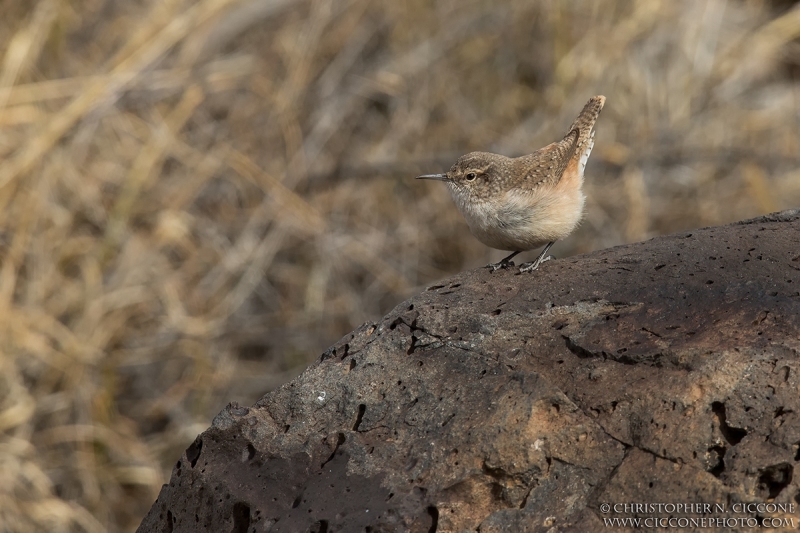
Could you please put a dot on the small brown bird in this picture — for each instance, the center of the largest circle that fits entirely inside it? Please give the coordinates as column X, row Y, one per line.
column 522, row 203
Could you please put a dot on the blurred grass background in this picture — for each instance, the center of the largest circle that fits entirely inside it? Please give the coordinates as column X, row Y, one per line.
column 197, row 198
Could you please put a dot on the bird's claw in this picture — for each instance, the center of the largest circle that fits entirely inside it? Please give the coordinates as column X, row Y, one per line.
column 533, row 265
column 502, row 264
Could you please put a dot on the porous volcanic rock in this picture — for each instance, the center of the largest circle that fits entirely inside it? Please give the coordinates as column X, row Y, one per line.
column 664, row 372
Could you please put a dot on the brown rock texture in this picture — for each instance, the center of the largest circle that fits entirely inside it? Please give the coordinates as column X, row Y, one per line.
column 660, row 372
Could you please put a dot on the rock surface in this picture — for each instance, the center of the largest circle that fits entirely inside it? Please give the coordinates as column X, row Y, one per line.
column 659, row 372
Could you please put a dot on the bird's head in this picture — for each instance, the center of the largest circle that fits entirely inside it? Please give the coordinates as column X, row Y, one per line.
column 476, row 176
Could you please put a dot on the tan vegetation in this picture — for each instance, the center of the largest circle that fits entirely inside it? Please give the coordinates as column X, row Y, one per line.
column 197, row 198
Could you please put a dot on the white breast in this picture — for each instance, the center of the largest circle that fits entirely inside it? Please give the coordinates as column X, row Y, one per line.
column 523, row 220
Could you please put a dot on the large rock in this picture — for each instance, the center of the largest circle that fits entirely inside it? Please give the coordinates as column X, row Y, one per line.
column 663, row 372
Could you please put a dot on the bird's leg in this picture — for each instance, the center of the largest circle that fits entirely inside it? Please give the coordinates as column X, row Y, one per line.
column 505, row 263
column 530, row 267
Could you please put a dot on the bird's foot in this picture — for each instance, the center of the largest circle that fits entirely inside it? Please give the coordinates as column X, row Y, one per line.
column 502, row 264
column 533, row 265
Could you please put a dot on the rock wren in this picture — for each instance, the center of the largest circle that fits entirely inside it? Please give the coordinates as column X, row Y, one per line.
column 522, row 203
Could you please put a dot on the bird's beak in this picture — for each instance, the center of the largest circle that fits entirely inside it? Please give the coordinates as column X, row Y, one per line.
column 440, row 177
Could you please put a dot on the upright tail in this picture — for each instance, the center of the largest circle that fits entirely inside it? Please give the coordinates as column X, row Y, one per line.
column 587, row 118
column 583, row 124
column 550, row 163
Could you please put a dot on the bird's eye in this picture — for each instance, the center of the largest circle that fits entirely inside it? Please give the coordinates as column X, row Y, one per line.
column 471, row 176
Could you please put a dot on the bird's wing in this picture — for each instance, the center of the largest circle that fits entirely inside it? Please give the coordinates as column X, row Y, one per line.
column 547, row 165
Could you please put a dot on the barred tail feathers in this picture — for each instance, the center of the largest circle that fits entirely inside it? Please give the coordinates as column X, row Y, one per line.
column 584, row 124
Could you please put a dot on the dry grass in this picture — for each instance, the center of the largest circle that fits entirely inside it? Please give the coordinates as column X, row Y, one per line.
column 196, row 198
